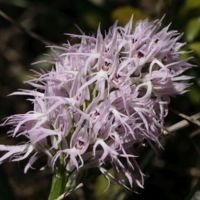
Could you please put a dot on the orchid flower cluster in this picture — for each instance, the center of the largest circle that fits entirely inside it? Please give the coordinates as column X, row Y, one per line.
column 102, row 97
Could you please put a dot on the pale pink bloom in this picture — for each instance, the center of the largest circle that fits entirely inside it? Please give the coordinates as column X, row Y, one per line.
column 102, row 96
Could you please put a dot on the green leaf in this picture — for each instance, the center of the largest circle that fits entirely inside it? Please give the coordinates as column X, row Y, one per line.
column 195, row 46
column 192, row 29
column 123, row 14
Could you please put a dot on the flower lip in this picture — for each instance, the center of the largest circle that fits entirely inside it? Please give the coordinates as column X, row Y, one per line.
column 80, row 143
column 94, row 115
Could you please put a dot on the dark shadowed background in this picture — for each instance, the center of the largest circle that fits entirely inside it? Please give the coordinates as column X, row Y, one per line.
column 173, row 172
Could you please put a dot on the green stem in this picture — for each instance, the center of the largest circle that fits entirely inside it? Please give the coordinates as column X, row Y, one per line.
column 60, row 183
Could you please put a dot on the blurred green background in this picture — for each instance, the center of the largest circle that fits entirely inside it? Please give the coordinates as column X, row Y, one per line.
column 173, row 172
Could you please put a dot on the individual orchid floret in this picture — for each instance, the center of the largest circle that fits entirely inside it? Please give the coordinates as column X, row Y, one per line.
column 102, row 97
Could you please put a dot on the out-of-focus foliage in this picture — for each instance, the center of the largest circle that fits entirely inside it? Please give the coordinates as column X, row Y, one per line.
column 102, row 190
column 172, row 173
column 195, row 46
column 189, row 5
column 192, row 33
column 123, row 14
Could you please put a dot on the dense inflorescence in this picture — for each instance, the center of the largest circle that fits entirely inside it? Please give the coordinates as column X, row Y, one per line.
column 102, row 97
